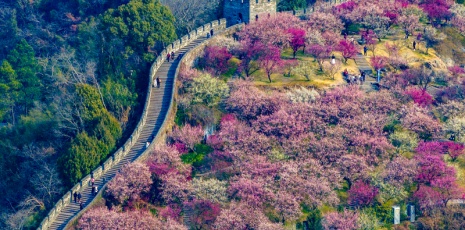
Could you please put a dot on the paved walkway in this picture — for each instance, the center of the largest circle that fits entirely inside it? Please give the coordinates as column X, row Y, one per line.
column 157, row 110
column 364, row 66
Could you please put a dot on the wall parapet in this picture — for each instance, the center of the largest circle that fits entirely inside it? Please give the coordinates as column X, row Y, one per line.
column 216, row 25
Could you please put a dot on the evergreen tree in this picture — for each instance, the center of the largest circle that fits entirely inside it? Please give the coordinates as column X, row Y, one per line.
column 23, row 61
column 140, row 24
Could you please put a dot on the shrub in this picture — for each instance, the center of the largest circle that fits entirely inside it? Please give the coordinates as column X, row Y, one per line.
column 208, row 90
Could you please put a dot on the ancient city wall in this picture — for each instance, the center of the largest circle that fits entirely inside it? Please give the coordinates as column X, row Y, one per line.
column 216, row 25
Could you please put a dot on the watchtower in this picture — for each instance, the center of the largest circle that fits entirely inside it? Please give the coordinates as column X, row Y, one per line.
column 237, row 11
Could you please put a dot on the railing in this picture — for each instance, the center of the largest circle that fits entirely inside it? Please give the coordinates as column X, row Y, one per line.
column 121, row 152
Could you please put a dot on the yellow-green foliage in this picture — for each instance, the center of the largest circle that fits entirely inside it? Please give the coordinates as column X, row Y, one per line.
column 404, row 140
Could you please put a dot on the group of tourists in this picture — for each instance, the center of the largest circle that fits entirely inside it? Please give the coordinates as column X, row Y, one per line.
column 170, row 56
column 77, row 199
column 353, row 79
column 77, row 195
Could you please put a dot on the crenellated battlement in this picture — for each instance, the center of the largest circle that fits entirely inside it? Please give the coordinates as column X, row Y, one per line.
column 238, row 11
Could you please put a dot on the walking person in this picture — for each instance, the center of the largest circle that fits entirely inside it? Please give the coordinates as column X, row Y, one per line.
column 79, row 196
column 147, row 144
column 93, row 190
column 80, row 206
column 75, row 197
column 414, row 45
column 168, row 56
column 172, row 55
column 365, row 49
column 158, row 82
column 155, row 84
column 92, row 181
column 363, row 76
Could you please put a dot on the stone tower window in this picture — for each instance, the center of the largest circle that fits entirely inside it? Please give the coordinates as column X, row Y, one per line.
column 256, row 1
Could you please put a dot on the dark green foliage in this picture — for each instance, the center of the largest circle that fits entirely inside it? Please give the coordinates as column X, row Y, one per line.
column 19, row 82
column 391, row 126
column 353, row 29
column 191, row 158
column 314, row 218
column 197, row 158
column 286, row 5
column 181, row 116
column 140, row 24
column 92, row 146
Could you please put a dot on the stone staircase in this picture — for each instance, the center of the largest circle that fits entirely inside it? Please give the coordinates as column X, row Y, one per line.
column 364, row 66
column 157, row 109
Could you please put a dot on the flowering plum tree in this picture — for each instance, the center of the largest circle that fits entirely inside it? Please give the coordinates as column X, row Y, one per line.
column 270, row 61
column 249, row 52
column 400, row 171
column 188, row 135
column 241, row 216
column 211, row 189
column 250, row 192
column 133, row 180
column 325, row 22
column 319, row 52
column 378, row 62
column 371, row 40
column 204, row 213
column 271, row 30
column 361, row 194
column 175, row 187
column 420, row 97
column 248, row 102
column 297, row 39
column 454, row 149
column 352, row 168
column 215, row 60
column 437, row 10
column 341, row 221
column 456, row 72
column 348, row 49
column 331, row 70
column 208, row 90
column 102, row 218
column 418, row 120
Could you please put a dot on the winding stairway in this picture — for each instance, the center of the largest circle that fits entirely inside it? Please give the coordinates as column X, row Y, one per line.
column 157, row 110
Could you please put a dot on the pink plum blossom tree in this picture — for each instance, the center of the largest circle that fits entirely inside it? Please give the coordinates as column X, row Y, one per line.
column 215, row 60
column 133, row 180
column 271, row 61
column 297, row 39
column 348, row 49
column 188, row 135
column 361, row 194
column 341, row 221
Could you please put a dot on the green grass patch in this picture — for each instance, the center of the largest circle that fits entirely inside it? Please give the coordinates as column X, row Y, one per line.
column 196, row 158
